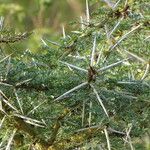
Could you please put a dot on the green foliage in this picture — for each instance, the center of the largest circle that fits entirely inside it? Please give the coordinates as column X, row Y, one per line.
column 92, row 82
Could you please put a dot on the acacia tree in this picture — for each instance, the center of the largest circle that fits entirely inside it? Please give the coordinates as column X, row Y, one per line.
column 88, row 90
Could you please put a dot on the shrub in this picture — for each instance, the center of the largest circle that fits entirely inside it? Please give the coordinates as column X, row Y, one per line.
column 88, row 90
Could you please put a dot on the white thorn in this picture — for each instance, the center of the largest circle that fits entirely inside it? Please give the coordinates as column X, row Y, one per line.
column 107, row 138
column 99, row 99
column 63, row 32
column 75, row 67
column 87, row 13
column 93, row 52
column 123, row 37
column 82, row 23
column 70, row 91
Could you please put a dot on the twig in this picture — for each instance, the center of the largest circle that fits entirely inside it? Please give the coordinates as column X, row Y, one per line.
column 115, row 131
column 57, row 126
column 97, row 127
column 89, row 128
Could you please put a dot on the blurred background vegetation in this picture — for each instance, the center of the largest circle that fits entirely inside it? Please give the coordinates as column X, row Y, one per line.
column 43, row 17
column 38, row 14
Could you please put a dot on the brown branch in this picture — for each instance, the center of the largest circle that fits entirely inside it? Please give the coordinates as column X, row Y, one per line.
column 21, row 125
column 83, row 135
column 27, row 86
column 14, row 38
column 57, row 126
